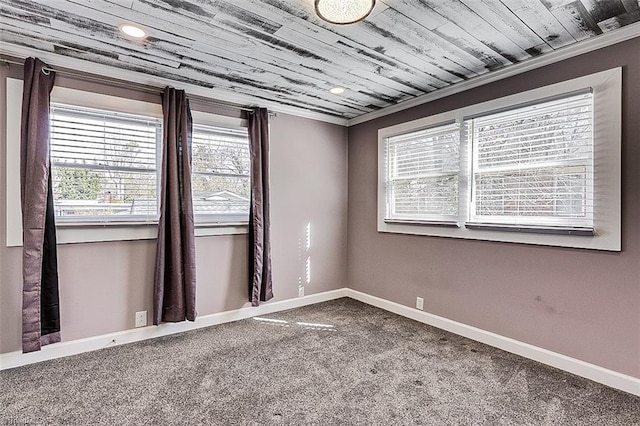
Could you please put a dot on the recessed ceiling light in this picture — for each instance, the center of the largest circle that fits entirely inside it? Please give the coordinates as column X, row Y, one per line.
column 337, row 90
column 133, row 31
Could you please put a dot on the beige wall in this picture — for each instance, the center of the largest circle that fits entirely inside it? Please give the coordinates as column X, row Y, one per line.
column 102, row 285
column 581, row 303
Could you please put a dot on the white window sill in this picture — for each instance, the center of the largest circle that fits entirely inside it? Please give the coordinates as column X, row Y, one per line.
column 72, row 233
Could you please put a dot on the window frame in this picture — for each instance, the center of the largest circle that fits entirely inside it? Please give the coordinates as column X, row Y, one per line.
column 607, row 89
column 220, row 219
column 430, row 219
column 537, row 223
column 80, row 232
column 116, row 219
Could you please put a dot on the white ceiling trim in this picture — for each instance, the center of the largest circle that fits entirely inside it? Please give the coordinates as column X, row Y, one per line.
column 608, row 39
column 153, row 81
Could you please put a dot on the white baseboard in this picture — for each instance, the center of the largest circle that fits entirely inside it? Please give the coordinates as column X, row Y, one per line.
column 575, row 366
column 73, row 347
column 593, row 372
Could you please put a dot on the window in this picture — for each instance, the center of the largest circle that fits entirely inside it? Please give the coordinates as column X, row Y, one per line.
column 533, row 165
column 422, row 175
column 105, row 168
column 104, row 165
column 220, row 174
column 105, row 154
column 544, row 163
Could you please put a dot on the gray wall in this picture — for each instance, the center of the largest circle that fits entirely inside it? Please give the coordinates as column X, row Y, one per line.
column 102, row 285
column 584, row 304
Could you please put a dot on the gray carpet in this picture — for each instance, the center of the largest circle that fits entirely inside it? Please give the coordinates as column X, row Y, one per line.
column 369, row 368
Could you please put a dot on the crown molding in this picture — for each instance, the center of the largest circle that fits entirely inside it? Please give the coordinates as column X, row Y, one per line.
column 113, row 73
column 589, row 45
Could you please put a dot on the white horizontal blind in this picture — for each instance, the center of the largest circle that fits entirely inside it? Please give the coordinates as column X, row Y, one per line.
column 104, row 165
column 533, row 165
column 422, row 175
column 220, row 174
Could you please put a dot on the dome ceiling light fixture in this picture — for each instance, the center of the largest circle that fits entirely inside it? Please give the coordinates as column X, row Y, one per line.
column 343, row 12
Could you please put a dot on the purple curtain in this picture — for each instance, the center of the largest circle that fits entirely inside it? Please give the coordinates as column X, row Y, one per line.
column 260, row 282
column 40, row 301
column 175, row 273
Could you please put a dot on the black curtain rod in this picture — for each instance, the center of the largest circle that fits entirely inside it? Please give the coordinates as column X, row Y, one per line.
column 137, row 86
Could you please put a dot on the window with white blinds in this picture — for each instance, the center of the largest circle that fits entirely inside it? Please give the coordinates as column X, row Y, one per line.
column 422, row 175
column 104, row 165
column 543, row 164
column 532, row 166
column 220, row 174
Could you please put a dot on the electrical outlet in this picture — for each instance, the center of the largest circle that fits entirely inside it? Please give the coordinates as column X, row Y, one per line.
column 419, row 303
column 141, row 319
column 300, row 291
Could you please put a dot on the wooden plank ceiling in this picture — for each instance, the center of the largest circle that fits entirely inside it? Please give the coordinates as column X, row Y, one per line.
column 278, row 50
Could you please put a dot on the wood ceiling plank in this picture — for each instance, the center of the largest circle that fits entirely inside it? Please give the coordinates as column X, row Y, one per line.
column 619, row 21
column 489, row 34
column 320, row 64
column 293, row 70
column 157, row 65
column 123, row 3
column 413, row 36
column 12, row 35
column 344, row 59
column 63, row 43
column 575, row 18
column 299, row 17
column 417, row 11
column 102, row 37
column 202, row 53
column 285, row 68
column 149, row 62
column 395, row 49
column 409, row 45
column 116, row 15
column 495, row 12
column 537, row 17
column 202, row 12
column 631, row 5
column 181, row 31
column 394, row 60
column 251, row 17
column 399, row 87
column 279, row 84
column 320, row 61
column 410, row 66
column 459, row 37
column 68, row 37
column 280, row 51
column 188, row 77
column 603, row 10
column 234, row 85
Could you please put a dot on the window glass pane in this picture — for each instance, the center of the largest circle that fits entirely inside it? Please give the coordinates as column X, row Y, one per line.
column 422, row 174
column 534, row 165
column 220, row 174
column 104, row 165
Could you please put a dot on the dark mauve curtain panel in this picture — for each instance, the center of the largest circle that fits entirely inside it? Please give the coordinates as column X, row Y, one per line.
column 175, row 273
column 40, row 300
column 260, row 282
